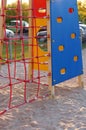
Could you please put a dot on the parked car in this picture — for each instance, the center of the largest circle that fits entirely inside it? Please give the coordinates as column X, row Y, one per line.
column 83, row 26
column 15, row 25
column 9, row 33
column 80, row 22
column 83, row 31
column 41, row 38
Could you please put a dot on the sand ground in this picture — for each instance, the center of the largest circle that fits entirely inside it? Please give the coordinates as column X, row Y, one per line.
column 66, row 112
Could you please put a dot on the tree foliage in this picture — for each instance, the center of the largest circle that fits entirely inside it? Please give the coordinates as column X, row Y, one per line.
column 82, row 11
column 13, row 12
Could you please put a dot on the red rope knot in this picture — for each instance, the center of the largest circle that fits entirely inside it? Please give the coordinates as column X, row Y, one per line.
column 48, row 35
column 49, row 54
column 21, row 38
column 48, row 16
column 3, row 15
column 0, row 58
column 4, row 26
column 10, row 84
column 49, row 74
column 6, row 39
column 36, row 57
column 7, row 61
column 20, row 17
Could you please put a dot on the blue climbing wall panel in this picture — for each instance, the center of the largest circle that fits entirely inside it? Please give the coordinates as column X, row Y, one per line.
column 65, row 41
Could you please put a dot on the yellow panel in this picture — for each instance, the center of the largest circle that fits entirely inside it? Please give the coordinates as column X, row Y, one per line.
column 37, row 50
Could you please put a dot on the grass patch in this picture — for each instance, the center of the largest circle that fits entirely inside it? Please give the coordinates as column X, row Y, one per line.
column 18, row 50
column 83, row 45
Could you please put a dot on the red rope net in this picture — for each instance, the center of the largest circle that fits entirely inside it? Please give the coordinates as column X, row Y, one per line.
column 16, row 88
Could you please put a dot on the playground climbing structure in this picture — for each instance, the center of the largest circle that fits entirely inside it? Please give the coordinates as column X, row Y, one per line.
column 35, row 68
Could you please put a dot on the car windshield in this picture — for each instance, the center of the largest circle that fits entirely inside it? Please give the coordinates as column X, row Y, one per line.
column 44, row 28
column 80, row 22
column 15, row 23
column 84, row 28
column 42, row 33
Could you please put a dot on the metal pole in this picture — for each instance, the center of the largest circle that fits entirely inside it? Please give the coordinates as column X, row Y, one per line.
column 10, row 47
